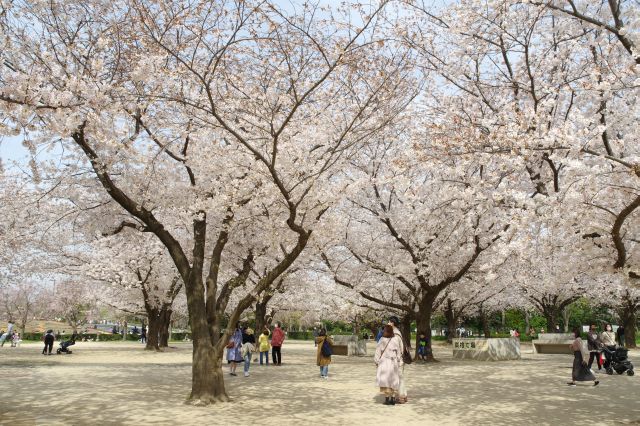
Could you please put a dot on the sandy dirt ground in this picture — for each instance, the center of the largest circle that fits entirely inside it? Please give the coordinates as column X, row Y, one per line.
column 118, row 383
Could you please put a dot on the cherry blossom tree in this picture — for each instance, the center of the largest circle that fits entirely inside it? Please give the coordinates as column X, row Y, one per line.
column 209, row 124
column 418, row 226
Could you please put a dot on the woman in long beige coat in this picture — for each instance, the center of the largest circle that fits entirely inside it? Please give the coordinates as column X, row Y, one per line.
column 388, row 358
column 323, row 361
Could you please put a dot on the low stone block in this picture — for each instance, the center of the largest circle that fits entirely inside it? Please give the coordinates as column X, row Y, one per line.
column 493, row 349
column 354, row 345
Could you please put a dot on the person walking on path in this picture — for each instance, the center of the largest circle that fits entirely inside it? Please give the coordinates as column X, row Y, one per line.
column 401, row 394
column 263, row 342
column 388, row 359
column 234, row 351
column 248, row 348
column 620, row 334
column 48, row 342
column 580, row 371
column 324, row 352
column 276, row 344
column 608, row 339
column 143, row 334
column 593, row 344
column 8, row 334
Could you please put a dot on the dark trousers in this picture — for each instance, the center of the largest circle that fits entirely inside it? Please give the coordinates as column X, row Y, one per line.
column 48, row 345
column 596, row 356
column 143, row 339
column 276, row 355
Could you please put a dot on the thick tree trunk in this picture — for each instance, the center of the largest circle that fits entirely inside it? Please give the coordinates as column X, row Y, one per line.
column 485, row 324
column 423, row 322
column 628, row 318
column 551, row 315
column 405, row 329
column 207, row 380
column 164, row 321
column 153, row 343
column 261, row 317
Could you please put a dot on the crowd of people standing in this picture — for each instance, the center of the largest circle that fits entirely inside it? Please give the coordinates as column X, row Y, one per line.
column 242, row 345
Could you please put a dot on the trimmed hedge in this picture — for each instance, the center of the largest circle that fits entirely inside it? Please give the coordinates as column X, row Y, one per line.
column 300, row 335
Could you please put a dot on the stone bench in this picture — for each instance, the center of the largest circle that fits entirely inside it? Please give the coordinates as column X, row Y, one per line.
column 492, row 349
column 553, row 343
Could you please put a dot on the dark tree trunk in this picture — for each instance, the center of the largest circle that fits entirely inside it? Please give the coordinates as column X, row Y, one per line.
column 423, row 322
column 207, row 381
column 485, row 324
column 153, row 342
column 405, row 329
column 628, row 318
column 164, row 321
column 261, row 317
column 551, row 315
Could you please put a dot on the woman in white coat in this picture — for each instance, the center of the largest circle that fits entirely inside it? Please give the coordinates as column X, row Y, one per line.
column 388, row 358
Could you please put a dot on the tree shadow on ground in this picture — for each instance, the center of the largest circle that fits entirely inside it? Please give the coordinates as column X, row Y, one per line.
column 128, row 385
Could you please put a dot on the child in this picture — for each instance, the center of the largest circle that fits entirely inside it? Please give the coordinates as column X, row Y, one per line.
column 16, row 340
column 263, row 342
column 422, row 347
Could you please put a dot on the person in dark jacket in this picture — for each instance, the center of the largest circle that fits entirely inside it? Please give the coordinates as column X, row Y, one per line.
column 593, row 344
column 49, row 338
column 620, row 334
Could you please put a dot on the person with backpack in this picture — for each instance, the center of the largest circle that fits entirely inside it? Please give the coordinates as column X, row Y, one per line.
column 324, row 352
column 49, row 338
column 388, row 359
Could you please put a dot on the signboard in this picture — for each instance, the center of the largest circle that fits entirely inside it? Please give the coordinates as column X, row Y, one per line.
column 469, row 345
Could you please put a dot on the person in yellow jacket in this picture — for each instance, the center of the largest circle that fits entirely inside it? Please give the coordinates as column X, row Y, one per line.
column 263, row 345
column 324, row 353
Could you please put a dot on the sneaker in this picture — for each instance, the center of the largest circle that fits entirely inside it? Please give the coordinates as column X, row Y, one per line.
column 571, row 384
column 233, row 374
column 246, row 374
column 596, row 383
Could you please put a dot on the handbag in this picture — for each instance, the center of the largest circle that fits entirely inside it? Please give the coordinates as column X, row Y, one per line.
column 406, row 356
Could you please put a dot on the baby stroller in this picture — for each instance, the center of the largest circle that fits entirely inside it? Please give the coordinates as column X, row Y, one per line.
column 64, row 346
column 616, row 360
